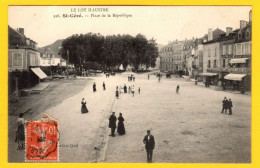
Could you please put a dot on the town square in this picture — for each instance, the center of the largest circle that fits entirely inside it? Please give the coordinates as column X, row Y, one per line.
column 96, row 96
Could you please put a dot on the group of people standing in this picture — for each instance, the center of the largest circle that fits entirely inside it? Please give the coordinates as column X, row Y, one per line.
column 120, row 126
column 130, row 90
column 227, row 105
column 131, row 78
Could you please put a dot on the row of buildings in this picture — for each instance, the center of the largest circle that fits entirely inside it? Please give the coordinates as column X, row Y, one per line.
column 26, row 61
column 218, row 58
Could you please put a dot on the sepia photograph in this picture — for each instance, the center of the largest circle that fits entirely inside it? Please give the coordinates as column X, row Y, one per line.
column 129, row 84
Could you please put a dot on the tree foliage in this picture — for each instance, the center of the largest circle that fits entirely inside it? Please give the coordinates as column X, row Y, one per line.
column 109, row 52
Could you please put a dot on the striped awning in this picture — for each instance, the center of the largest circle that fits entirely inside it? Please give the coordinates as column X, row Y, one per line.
column 39, row 73
column 238, row 60
column 208, row 74
column 235, row 77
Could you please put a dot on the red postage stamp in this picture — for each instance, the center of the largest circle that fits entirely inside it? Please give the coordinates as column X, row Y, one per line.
column 42, row 139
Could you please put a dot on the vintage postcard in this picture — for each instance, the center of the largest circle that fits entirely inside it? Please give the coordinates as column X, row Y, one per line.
column 129, row 84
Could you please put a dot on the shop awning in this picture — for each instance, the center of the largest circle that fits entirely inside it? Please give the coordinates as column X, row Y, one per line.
column 39, row 73
column 236, row 77
column 238, row 60
column 208, row 74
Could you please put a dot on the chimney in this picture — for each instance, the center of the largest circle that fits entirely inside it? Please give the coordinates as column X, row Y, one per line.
column 210, row 34
column 243, row 24
column 21, row 31
column 228, row 30
column 250, row 17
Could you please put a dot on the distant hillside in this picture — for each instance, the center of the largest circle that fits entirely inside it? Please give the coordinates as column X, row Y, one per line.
column 52, row 48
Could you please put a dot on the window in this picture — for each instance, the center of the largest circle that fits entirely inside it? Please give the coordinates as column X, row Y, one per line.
column 246, row 48
column 239, row 36
column 215, row 63
column 248, row 34
column 229, row 49
column 32, row 58
column 243, row 48
column 224, row 50
column 209, row 52
column 224, row 63
column 238, row 49
column 215, row 51
column 17, row 59
column 208, row 63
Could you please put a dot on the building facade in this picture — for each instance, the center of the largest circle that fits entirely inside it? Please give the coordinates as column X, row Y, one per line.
column 22, row 52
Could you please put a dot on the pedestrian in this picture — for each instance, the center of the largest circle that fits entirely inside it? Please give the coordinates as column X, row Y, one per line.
column 20, row 136
column 120, row 125
column 120, row 89
column 112, row 124
column 159, row 79
column 230, row 105
column 94, row 87
column 129, row 90
column 177, row 89
column 117, row 93
column 133, row 78
column 224, row 105
column 148, row 77
column 133, row 90
column 125, row 89
column 104, row 86
column 84, row 108
column 149, row 145
column 139, row 90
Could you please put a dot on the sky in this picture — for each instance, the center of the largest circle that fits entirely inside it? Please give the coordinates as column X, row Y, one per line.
column 46, row 24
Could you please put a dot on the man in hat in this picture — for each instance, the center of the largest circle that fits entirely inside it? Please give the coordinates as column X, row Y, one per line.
column 149, row 145
column 112, row 123
column 230, row 105
column 224, row 105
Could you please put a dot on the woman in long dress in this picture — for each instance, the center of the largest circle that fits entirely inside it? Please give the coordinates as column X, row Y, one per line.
column 94, row 87
column 20, row 134
column 120, row 126
column 117, row 92
column 84, row 108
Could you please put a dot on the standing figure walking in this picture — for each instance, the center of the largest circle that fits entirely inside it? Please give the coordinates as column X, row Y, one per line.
column 125, row 89
column 129, row 90
column 84, row 108
column 20, row 136
column 224, row 105
column 94, row 87
column 117, row 92
column 177, row 89
column 133, row 90
column 139, row 90
column 120, row 125
column 148, row 77
column 112, row 124
column 149, row 145
column 230, row 105
column 104, row 86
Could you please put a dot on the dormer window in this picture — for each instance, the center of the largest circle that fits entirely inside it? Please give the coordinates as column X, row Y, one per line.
column 248, row 34
column 239, row 36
